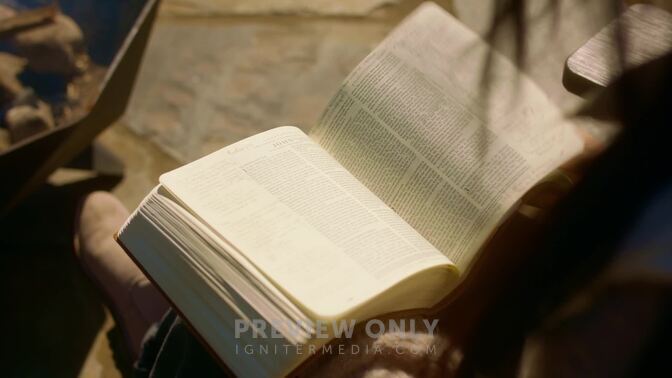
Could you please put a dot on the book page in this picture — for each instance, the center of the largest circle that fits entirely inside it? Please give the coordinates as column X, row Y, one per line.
column 304, row 221
column 413, row 123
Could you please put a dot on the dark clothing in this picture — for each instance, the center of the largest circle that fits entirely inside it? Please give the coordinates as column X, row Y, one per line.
column 170, row 350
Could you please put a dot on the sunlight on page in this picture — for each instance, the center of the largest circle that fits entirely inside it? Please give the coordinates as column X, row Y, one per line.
column 314, row 228
column 413, row 123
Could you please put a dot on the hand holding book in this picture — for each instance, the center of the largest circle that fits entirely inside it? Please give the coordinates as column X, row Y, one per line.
column 383, row 208
column 545, row 194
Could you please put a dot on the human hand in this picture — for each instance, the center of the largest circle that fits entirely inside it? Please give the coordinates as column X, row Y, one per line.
column 553, row 187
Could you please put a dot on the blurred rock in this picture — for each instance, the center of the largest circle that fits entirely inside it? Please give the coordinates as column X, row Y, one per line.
column 54, row 48
column 26, row 97
column 5, row 142
column 6, row 12
column 10, row 86
column 24, row 121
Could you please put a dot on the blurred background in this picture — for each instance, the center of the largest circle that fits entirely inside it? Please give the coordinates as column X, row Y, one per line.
column 213, row 72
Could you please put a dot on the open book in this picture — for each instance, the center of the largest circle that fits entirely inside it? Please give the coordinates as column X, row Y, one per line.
column 383, row 207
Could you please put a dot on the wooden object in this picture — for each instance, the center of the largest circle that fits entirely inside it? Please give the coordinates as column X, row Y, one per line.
column 639, row 35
